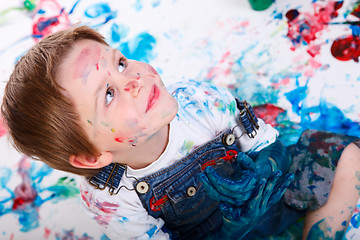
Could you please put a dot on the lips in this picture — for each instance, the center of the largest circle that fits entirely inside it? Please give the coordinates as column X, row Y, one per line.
column 153, row 97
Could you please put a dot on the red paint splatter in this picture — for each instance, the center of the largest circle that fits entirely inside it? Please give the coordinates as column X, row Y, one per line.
column 347, row 48
column 268, row 112
column 356, row 11
column 85, row 197
column 47, row 233
column 107, row 207
column 222, row 68
column 304, row 28
column 119, row 139
column 50, row 17
column 25, row 193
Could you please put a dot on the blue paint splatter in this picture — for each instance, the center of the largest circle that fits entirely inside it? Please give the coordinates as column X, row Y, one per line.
column 152, row 231
column 138, row 5
column 25, row 200
column 100, row 11
column 104, row 237
column 118, row 32
column 141, row 48
column 355, row 220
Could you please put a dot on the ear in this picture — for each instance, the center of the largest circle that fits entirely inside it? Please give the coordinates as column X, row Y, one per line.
column 82, row 161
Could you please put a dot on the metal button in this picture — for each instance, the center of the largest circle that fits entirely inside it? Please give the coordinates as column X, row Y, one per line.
column 142, row 187
column 191, row 191
column 229, row 139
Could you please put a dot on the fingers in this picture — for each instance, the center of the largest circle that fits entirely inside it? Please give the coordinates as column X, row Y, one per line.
column 240, row 189
column 269, row 190
column 245, row 162
column 281, row 188
column 213, row 192
column 253, row 206
column 230, row 212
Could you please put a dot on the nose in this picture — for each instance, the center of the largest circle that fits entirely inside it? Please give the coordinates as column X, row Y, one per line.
column 133, row 87
column 133, row 74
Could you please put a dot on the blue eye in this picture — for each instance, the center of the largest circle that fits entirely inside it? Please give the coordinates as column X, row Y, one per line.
column 122, row 64
column 109, row 96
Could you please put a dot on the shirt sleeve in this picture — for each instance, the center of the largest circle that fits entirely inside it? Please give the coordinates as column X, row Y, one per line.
column 120, row 216
column 215, row 107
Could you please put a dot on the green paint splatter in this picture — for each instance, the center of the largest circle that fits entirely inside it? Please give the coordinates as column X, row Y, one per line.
column 185, row 149
column 104, row 124
column 64, row 188
column 232, row 107
column 29, row 5
column 89, row 122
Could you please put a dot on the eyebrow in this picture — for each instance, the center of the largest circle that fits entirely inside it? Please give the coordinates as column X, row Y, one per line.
column 114, row 54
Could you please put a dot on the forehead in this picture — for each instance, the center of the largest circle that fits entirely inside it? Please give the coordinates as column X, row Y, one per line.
column 81, row 60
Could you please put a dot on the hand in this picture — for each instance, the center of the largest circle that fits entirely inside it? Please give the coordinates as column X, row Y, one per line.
column 266, row 194
column 272, row 158
column 242, row 207
column 234, row 191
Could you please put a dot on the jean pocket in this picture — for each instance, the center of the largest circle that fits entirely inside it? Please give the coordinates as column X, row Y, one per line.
column 188, row 201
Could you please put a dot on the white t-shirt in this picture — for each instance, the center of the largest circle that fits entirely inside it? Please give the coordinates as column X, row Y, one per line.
column 204, row 112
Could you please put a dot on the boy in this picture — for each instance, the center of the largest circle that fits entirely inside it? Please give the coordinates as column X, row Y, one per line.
column 82, row 107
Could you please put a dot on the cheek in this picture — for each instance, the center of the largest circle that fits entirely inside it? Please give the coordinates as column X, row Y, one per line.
column 152, row 70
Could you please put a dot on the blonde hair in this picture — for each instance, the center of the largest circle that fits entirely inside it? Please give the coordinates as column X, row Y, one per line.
column 41, row 121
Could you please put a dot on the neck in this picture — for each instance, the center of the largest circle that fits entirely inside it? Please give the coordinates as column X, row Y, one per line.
column 149, row 151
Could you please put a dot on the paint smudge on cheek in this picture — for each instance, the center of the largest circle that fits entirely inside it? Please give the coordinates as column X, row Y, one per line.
column 152, row 70
column 88, row 60
column 104, row 124
column 132, row 123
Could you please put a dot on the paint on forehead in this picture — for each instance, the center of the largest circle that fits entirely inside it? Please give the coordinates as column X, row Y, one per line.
column 87, row 60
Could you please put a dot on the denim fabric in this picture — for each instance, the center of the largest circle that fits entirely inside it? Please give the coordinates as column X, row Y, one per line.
column 109, row 176
column 177, row 196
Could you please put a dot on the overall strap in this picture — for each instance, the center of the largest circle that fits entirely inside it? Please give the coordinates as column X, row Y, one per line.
column 109, row 176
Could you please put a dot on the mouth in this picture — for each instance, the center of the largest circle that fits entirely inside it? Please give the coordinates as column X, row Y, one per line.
column 153, row 97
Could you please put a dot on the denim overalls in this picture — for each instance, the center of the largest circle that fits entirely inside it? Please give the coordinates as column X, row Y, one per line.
column 175, row 193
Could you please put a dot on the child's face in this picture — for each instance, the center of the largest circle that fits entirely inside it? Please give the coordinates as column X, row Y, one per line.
column 122, row 103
